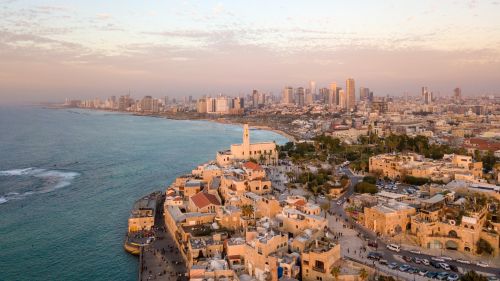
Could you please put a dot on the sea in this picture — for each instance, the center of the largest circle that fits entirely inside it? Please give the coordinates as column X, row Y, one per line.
column 68, row 178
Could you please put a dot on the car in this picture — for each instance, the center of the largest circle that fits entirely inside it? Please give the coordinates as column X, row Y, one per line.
column 374, row 256
column 404, row 267
column 418, row 260
column 415, row 252
column 442, row 275
column 382, row 261
column 394, row 247
column 413, row 270
column 423, row 272
column 435, row 264
column 393, row 265
column 321, row 196
column 339, row 202
column 426, row 261
column 407, row 259
column 437, row 259
column 463, row 261
column 372, row 244
column 445, row 266
column 492, row 278
column 446, row 258
column 453, row 277
column 482, row 264
column 431, row 274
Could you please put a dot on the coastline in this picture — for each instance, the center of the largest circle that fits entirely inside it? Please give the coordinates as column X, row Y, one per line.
column 222, row 120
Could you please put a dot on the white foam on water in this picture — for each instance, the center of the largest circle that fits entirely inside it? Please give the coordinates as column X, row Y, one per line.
column 54, row 179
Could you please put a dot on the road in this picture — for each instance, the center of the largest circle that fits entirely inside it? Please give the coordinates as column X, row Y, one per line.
column 387, row 254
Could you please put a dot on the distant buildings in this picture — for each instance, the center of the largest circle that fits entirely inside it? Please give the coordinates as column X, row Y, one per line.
column 350, row 94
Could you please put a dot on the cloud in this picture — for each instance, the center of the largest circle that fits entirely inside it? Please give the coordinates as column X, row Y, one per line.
column 104, row 16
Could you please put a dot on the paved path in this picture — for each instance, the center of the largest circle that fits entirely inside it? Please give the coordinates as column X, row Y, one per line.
column 161, row 259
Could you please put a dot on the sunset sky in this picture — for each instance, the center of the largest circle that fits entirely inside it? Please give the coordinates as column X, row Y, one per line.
column 50, row 50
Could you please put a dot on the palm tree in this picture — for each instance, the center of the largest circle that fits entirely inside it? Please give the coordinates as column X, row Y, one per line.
column 335, row 272
column 363, row 274
column 247, row 211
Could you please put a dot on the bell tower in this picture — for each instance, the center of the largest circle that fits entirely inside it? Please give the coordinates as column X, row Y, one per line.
column 246, row 141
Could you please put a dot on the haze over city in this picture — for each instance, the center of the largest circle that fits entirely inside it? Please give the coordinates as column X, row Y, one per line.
column 83, row 49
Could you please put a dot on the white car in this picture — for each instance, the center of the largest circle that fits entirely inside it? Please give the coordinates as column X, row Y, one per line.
column 394, row 247
column 446, row 258
column 463, row 261
column 415, row 252
column 445, row 266
column 426, row 261
column 437, row 259
column 482, row 264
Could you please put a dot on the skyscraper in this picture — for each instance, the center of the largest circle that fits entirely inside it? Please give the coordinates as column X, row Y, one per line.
column 312, row 87
column 287, row 95
column 457, row 94
column 364, row 93
column 332, row 95
column 300, row 96
column 350, row 94
column 342, row 99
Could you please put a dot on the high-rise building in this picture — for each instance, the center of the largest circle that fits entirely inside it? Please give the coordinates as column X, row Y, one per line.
column 255, row 98
column 147, row 103
column 288, row 95
column 201, row 105
column 332, row 94
column 312, row 87
column 300, row 96
column 364, row 93
column 342, row 99
column 457, row 94
column 350, row 94
column 324, row 94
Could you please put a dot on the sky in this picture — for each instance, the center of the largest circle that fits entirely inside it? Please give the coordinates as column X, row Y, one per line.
column 50, row 50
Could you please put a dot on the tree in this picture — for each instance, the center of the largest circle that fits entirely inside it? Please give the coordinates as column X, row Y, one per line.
column 484, row 246
column 365, row 187
column 473, row 276
column 370, row 179
column 247, row 211
column 363, row 274
column 336, row 272
column 325, row 207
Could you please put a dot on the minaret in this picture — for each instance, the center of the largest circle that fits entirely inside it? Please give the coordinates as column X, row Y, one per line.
column 246, row 141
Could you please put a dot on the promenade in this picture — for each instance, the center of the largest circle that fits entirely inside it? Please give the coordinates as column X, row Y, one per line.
column 161, row 259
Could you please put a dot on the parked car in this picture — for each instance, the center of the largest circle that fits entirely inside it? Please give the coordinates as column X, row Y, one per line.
column 393, row 265
column 372, row 244
column 445, row 266
column 418, row 260
column 442, row 275
column 404, row 267
column 413, row 270
column 426, row 261
column 374, row 256
column 382, row 261
column 453, row 277
column 446, row 258
column 431, row 274
column 463, row 261
column 423, row 272
column 437, row 259
column 435, row 264
column 415, row 252
column 482, row 264
column 454, row 268
column 407, row 259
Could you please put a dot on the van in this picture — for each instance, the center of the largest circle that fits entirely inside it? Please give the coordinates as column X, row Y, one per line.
column 393, row 247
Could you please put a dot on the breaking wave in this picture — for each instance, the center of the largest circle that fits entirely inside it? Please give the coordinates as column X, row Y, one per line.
column 52, row 180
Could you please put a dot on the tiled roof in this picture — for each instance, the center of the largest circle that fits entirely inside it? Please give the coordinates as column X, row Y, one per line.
column 203, row 199
column 252, row 166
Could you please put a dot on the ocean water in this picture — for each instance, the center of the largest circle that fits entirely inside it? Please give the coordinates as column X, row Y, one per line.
column 68, row 179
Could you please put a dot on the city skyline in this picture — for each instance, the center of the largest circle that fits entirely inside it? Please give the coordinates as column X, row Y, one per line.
column 54, row 50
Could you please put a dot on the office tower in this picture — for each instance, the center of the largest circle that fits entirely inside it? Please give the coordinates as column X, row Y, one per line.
column 350, row 94
column 287, row 95
column 201, row 105
column 342, row 99
column 255, row 98
column 457, row 94
column 312, row 87
column 165, row 100
column 332, row 95
column 428, row 97
column 324, row 94
column 308, row 97
column 424, row 90
column 300, row 96
column 364, row 93
column 147, row 103
column 370, row 97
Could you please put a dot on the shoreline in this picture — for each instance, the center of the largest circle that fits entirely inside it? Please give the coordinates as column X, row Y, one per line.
column 289, row 136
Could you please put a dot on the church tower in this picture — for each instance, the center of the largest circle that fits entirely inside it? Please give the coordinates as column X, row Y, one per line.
column 246, row 141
